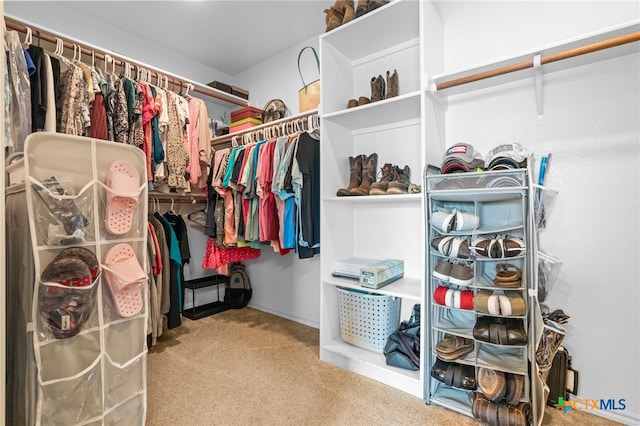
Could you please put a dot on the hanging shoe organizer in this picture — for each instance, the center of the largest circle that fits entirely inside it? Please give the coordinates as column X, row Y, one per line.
column 87, row 206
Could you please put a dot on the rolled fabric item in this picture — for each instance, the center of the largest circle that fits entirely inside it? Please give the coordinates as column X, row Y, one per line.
column 466, row 299
column 439, row 295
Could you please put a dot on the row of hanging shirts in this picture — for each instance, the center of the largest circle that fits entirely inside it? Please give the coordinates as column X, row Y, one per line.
column 50, row 92
column 264, row 191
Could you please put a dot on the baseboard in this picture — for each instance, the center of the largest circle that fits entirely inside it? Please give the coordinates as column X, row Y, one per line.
column 304, row 321
column 616, row 416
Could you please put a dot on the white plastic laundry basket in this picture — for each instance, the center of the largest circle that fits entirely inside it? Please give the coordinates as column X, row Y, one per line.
column 367, row 320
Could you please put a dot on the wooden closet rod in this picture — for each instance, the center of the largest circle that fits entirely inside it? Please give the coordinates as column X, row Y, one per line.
column 566, row 54
column 51, row 37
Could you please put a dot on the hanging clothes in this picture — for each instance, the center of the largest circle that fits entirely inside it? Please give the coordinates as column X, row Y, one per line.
column 52, row 66
column 199, row 142
column 38, row 85
column 73, row 89
column 99, row 128
column 21, row 370
column 306, row 182
column 177, row 158
column 20, row 107
column 175, row 284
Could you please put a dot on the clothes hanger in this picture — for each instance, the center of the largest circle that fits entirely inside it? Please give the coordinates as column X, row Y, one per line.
column 107, row 58
column 59, row 52
column 27, row 38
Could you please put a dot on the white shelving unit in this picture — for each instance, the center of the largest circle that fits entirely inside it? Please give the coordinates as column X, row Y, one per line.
column 380, row 226
column 409, row 129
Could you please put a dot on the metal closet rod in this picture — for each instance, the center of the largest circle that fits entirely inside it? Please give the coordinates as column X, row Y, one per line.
column 91, row 51
column 566, row 54
column 162, row 198
column 219, row 140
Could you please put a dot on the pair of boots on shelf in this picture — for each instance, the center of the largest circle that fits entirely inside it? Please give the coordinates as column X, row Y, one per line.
column 344, row 11
column 379, row 90
column 362, row 179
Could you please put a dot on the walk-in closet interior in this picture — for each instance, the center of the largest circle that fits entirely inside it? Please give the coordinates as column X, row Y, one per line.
column 487, row 150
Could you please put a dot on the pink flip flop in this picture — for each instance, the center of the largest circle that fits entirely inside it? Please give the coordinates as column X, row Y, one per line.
column 125, row 277
column 123, row 181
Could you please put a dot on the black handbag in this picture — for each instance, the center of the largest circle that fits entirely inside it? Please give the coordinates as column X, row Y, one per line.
column 562, row 379
column 403, row 345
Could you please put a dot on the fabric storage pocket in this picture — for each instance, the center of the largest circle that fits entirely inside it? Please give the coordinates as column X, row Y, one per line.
column 62, row 215
column 125, row 340
column 125, row 282
column 123, row 381
column 70, row 387
column 131, row 412
column 121, row 214
column 65, row 311
column 454, row 320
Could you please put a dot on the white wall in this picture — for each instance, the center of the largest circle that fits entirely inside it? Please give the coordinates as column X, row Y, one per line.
column 278, row 77
column 592, row 128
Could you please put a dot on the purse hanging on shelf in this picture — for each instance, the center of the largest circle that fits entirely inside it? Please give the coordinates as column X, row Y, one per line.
column 309, row 95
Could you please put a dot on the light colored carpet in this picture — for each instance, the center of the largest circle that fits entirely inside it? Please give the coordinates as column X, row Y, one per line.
column 245, row 366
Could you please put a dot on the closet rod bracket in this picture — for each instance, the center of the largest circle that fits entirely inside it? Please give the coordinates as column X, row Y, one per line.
column 537, row 66
column 432, row 94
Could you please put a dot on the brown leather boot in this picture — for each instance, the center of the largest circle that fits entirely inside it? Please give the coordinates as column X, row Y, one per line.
column 363, row 100
column 333, row 18
column 380, row 187
column 392, row 84
column 362, row 8
column 377, row 88
column 374, row 4
column 369, row 167
column 355, row 178
column 399, row 184
column 347, row 8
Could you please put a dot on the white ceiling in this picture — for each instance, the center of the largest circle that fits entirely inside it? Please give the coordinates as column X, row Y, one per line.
column 230, row 36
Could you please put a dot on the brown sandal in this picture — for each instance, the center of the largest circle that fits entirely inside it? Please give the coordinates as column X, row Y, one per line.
column 507, row 276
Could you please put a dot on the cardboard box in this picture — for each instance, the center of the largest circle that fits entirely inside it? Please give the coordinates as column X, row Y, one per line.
column 220, row 86
column 243, row 124
column 241, row 93
column 247, row 112
column 381, row 273
column 350, row 267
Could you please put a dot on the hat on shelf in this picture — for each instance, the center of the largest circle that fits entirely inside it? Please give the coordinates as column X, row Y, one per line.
column 507, row 156
column 461, row 157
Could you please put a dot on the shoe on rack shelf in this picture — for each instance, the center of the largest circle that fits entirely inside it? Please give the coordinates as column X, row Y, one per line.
column 355, row 175
column 378, row 88
column 453, row 347
column 461, row 274
column 369, row 166
column 386, row 176
column 400, row 182
column 392, row 84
